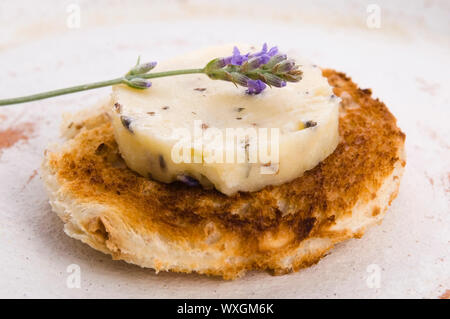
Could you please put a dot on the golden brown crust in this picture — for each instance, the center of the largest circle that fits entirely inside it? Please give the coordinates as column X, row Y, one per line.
column 259, row 228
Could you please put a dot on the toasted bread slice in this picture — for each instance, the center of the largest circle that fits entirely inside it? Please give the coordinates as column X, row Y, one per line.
column 189, row 229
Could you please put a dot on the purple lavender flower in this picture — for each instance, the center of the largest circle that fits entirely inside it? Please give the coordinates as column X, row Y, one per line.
column 253, row 63
column 285, row 66
column 135, row 78
column 188, row 180
column 223, row 61
column 255, row 70
column 138, row 83
column 255, row 86
column 237, row 58
column 274, row 80
column 273, row 51
column 264, row 54
column 142, row 68
column 219, row 63
column 239, row 78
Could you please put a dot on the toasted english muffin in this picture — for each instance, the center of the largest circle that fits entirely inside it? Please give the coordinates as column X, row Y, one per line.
column 174, row 227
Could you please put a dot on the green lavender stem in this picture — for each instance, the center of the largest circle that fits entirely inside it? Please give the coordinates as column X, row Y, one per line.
column 95, row 85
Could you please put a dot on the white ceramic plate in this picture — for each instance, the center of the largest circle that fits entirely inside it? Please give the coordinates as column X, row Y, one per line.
column 404, row 58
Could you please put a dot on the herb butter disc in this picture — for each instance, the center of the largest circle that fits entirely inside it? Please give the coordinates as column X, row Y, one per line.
column 178, row 129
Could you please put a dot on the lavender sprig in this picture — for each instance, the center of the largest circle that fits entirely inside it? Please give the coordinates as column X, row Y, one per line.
column 255, row 71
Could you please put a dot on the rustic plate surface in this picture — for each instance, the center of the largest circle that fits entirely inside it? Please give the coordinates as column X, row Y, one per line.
column 401, row 53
